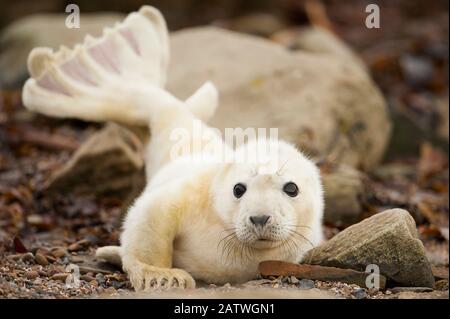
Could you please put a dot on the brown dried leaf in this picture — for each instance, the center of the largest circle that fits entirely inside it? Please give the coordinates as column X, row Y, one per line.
column 19, row 247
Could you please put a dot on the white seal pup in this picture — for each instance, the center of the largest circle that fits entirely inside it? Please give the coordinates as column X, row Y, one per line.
column 199, row 216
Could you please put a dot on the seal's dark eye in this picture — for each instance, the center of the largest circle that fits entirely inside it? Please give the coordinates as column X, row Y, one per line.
column 291, row 189
column 239, row 190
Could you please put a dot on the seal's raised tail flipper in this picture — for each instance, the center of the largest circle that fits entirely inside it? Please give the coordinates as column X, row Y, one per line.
column 119, row 76
column 110, row 254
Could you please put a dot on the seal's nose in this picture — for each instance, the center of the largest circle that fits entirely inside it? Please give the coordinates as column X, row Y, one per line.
column 259, row 220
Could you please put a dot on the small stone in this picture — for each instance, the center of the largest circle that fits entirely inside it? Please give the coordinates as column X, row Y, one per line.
column 294, row 280
column 117, row 284
column 359, row 293
column 40, row 222
column 440, row 272
column 397, row 290
column 50, row 259
column 76, row 259
column 14, row 257
column 41, row 259
column 110, row 290
column 79, row 245
column 256, row 283
column 41, row 250
column 87, row 278
column 442, row 284
column 100, row 278
column 55, row 270
column 28, row 257
column 116, row 277
column 92, row 239
column 74, row 247
column 94, row 283
column 60, row 276
column 31, row 274
column 59, row 252
column 306, row 284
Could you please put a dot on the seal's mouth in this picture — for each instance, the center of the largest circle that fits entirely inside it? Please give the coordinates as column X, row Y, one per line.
column 265, row 239
column 265, row 243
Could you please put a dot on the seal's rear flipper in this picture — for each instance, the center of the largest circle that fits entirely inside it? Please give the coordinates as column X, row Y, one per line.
column 96, row 80
column 110, row 254
column 119, row 76
column 203, row 103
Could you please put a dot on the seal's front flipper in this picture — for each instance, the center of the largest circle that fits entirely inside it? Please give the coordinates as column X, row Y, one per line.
column 111, row 254
column 145, row 277
column 203, row 103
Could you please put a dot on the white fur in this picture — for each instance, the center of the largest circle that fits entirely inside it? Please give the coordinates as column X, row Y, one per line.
column 188, row 208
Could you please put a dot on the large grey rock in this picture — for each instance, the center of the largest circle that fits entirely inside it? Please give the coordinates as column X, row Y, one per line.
column 325, row 104
column 262, row 24
column 319, row 41
column 389, row 240
column 48, row 30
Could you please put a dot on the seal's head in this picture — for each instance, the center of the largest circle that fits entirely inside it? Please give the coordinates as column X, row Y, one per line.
column 270, row 203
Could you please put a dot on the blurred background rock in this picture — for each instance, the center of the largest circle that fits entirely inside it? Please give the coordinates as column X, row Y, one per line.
column 407, row 56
